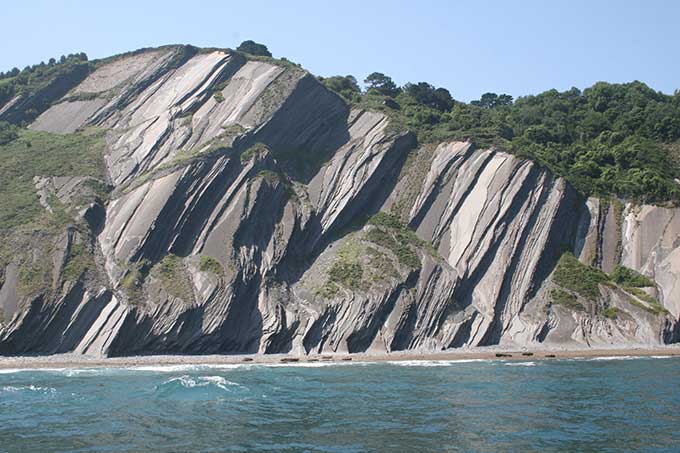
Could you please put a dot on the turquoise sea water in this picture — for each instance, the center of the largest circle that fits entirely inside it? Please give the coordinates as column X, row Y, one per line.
column 616, row 404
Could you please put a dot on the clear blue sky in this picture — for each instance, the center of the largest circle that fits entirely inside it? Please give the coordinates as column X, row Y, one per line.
column 470, row 47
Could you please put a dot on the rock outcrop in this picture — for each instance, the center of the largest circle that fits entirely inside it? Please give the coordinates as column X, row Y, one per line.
column 237, row 222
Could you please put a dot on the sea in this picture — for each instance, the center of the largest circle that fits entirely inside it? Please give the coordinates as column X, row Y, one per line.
column 602, row 404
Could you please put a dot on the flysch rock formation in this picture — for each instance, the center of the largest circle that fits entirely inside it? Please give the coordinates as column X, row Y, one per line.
column 252, row 183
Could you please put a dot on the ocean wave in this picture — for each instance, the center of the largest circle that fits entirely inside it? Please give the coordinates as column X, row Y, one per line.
column 433, row 363
column 190, row 382
column 28, row 388
column 520, row 363
column 614, row 357
column 13, row 370
column 163, row 368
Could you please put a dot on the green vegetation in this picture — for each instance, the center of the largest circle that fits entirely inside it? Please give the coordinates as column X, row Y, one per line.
column 345, row 86
column 651, row 304
column 219, row 97
column 233, row 130
column 379, row 83
column 348, row 274
column 386, row 239
column 41, row 84
column 610, row 312
column 210, row 264
column 380, row 266
column 357, row 266
column 575, row 276
column 133, row 280
column 172, row 276
column 33, row 277
column 170, row 266
column 383, row 219
column 43, row 154
column 271, row 177
column 624, row 276
column 27, row 229
column 567, row 300
column 253, row 48
column 493, row 100
column 346, row 270
column 328, row 290
column 608, row 139
column 8, row 133
column 391, row 234
column 257, row 149
column 80, row 260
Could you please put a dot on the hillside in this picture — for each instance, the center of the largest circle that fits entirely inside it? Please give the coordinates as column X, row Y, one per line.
column 185, row 200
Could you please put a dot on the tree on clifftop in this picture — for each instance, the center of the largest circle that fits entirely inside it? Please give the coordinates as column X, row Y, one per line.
column 492, row 100
column 254, row 48
column 346, row 86
column 382, row 84
column 425, row 94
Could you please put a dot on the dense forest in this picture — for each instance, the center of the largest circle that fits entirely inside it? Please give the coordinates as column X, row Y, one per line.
column 609, row 139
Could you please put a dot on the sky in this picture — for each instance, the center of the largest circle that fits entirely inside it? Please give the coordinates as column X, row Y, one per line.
column 469, row 47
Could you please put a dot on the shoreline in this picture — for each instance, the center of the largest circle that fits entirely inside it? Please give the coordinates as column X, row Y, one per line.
column 73, row 361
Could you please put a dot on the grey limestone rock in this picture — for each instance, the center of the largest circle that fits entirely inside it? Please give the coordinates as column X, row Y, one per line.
column 237, row 223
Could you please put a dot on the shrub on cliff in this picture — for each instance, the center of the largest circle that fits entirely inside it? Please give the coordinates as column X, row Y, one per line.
column 254, row 48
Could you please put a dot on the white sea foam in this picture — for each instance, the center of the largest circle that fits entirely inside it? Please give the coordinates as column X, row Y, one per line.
column 187, row 381
column 163, row 368
column 520, row 363
column 614, row 357
column 30, row 388
column 433, row 363
column 13, row 370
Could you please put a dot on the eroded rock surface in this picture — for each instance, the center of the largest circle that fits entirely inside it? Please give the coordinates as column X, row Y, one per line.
column 237, row 223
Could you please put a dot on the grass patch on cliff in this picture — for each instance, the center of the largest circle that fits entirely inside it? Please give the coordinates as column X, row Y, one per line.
column 624, row 276
column 33, row 277
column 566, row 299
column 173, row 278
column 358, row 263
column 346, row 270
column 132, row 282
column 80, row 260
column 575, row 276
column 651, row 305
column 610, row 312
column 210, row 264
column 348, row 274
column 28, row 232
column 380, row 266
column 249, row 154
column 35, row 153
column 390, row 233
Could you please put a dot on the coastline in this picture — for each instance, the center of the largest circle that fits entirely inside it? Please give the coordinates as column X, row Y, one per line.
column 73, row 361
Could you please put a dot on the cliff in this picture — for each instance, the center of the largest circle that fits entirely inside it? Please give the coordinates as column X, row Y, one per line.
column 246, row 208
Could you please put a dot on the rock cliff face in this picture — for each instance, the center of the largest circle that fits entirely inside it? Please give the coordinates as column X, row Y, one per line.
column 237, row 222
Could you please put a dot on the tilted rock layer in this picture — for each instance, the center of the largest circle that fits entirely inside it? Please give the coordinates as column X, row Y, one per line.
column 237, row 224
